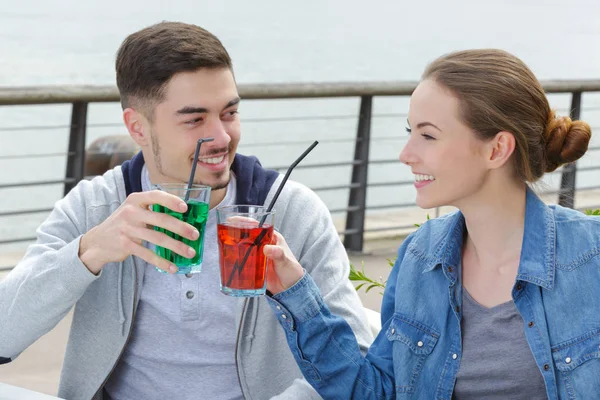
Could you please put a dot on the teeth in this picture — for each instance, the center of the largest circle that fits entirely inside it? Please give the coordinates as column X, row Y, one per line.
column 419, row 178
column 214, row 160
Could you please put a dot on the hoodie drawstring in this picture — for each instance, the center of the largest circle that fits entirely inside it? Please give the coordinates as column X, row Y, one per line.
column 120, row 301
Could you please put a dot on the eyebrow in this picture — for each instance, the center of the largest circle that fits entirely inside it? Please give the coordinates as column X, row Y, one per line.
column 202, row 110
column 424, row 124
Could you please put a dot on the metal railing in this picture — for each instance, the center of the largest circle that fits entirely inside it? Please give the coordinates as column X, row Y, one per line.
column 81, row 96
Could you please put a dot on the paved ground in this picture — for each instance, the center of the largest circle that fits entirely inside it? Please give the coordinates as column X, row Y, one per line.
column 38, row 368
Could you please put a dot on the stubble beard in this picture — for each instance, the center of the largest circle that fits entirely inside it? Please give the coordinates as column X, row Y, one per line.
column 158, row 163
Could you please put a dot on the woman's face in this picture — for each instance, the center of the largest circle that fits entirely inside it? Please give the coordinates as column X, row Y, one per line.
column 445, row 156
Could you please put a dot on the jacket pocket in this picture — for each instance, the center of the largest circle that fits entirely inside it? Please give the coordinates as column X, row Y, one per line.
column 412, row 342
column 578, row 363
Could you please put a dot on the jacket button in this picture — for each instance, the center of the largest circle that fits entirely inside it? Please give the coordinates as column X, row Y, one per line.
column 393, row 331
column 188, row 275
column 519, row 286
column 454, row 356
column 420, row 344
column 283, row 316
column 450, row 269
column 530, row 324
column 568, row 360
column 546, row 367
column 189, row 294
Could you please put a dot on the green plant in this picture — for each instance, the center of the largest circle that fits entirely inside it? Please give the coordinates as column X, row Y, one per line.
column 592, row 212
column 360, row 276
column 418, row 225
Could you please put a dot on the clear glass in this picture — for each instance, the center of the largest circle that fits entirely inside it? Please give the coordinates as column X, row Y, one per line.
column 196, row 215
column 242, row 232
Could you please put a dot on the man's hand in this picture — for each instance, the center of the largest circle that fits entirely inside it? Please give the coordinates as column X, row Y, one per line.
column 122, row 234
column 284, row 270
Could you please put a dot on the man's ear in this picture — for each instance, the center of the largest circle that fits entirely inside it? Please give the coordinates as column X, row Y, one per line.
column 137, row 126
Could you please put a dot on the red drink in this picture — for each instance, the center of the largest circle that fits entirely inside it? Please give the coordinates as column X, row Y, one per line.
column 242, row 262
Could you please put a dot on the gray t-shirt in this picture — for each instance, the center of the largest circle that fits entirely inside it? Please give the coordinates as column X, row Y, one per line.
column 184, row 335
column 497, row 363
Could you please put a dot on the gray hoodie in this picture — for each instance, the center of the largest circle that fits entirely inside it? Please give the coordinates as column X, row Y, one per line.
column 51, row 279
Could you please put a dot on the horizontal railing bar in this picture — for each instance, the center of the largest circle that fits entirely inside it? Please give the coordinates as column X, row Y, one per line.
column 389, row 228
column 338, row 187
column 592, row 168
column 7, row 268
column 320, row 165
column 19, row 240
column 345, row 209
column 388, row 206
column 321, row 117
column 95, row 93
column 41, row 155
column 583, row 209
column 24, row 184
column 33, row 128
column 299, row 142
column 558, row 191
column 349, row 232
column 395, row 183
column 24, row 212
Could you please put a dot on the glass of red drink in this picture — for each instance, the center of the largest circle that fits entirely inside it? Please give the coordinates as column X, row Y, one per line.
column 242, row 232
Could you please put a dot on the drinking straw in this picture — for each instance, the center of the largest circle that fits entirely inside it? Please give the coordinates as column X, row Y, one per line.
column 191, row 180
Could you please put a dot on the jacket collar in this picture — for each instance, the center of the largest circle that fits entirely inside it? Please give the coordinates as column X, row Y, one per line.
column 538, row 252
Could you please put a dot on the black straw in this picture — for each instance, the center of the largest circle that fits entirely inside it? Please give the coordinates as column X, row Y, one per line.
column 191, row 180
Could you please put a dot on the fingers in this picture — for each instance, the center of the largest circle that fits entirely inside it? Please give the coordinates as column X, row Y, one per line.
column 145, row 199
column 242, row 222
column 163, row 240
column 273, row 252
column 279, row 251
column 153, row 259
column 170, row 223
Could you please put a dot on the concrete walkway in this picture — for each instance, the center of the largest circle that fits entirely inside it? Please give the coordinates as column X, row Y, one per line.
column 38, row 368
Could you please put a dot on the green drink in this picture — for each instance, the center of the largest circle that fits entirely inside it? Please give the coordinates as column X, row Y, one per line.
column 196, row 215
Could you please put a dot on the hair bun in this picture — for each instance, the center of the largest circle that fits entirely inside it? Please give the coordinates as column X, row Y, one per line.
column 566, row 141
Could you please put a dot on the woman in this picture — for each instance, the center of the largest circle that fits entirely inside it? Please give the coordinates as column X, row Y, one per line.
column 499, row 300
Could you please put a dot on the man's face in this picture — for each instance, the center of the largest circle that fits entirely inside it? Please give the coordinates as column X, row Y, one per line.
column 200, row 104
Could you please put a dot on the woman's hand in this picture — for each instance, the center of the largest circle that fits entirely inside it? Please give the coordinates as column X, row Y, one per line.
column 284, row 270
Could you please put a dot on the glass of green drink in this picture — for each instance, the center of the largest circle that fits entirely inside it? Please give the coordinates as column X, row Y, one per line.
column 196, row 215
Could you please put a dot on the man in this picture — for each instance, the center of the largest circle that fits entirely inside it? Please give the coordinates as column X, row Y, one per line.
column 141, row 334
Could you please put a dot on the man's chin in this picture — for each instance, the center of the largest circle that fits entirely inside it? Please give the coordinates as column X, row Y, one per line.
column 217, row 182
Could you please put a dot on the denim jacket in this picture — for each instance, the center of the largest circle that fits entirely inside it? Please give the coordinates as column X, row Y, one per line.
column 418, row 351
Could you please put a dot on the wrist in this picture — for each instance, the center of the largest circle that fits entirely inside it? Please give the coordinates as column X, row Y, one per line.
column 89, row 255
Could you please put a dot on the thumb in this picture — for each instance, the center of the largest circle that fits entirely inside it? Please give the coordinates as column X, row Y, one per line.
column 274, row 252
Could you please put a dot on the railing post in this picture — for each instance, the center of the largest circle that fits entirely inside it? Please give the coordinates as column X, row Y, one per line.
column 76, row 154
column 355, row 220
column 566, row 196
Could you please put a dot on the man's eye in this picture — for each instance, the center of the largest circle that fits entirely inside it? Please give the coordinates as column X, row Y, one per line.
column 194, row 121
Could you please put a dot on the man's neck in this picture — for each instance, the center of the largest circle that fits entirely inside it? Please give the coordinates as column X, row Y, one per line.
column 217, row 196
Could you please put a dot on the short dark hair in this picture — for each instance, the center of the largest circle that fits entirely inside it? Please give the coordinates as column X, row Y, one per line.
column 149, row 58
